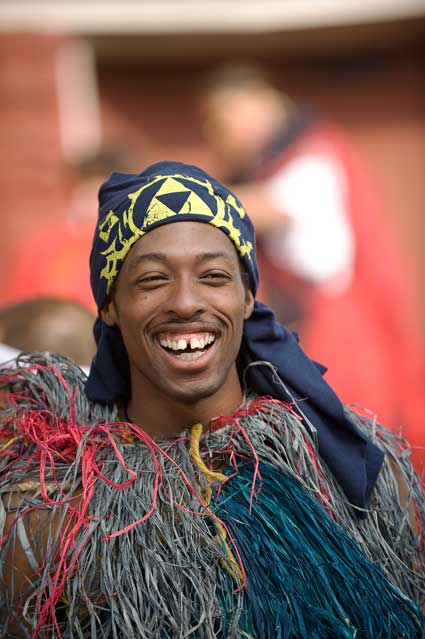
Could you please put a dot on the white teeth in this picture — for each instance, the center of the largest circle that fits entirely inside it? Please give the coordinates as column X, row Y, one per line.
column 179, row 345
column 182, row 344
column 190, row 356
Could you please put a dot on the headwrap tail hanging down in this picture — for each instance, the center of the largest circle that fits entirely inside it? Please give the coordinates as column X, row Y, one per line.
column 167, row 192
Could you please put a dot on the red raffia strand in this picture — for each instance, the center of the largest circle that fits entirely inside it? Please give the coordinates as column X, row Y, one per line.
column 147, row 440
column 152, row 445
column 265, row 404
column 59, row 440
column 39, row 367
column 324, row 494
column 219, row 422
column 262, row 405
column 69, row 553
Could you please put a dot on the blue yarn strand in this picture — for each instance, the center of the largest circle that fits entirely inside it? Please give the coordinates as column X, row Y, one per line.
column 306, row 578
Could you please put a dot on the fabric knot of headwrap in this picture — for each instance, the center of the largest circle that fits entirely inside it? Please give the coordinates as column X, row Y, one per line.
column 167, row 192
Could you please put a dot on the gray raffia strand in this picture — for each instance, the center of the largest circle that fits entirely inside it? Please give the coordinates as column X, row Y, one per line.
column 162, row 578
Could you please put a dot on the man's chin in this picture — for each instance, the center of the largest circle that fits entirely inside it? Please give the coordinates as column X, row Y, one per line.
column 189, row 395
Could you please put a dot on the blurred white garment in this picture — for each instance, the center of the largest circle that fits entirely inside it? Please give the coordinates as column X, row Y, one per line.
column 318, row 244
column 7, row 353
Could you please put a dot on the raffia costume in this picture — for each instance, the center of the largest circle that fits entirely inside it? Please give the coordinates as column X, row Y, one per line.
column 233, row 529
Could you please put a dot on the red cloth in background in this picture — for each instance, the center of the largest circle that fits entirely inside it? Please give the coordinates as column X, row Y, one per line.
column 366, row 335
column 53, row 261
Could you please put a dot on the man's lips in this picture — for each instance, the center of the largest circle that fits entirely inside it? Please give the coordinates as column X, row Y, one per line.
column 187, row 348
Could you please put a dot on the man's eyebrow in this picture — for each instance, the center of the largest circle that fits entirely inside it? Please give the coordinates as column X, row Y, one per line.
column 147, row 257
column 205, row 257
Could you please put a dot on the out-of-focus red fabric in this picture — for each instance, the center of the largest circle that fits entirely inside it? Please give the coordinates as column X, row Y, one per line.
column 367, row 335
column 53, row 261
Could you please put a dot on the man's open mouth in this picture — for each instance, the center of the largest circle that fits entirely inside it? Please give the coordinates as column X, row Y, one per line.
column 188, row 346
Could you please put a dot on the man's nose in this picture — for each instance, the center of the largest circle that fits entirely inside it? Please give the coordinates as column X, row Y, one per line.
column 186, row 299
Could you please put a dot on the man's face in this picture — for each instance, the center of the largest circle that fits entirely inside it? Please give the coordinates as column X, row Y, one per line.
column 180, row 303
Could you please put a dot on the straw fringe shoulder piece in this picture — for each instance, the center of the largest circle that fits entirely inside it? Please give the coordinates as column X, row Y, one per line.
column 234, row 531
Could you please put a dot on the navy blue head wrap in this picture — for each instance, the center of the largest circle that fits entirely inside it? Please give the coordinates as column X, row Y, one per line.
column 167, row 192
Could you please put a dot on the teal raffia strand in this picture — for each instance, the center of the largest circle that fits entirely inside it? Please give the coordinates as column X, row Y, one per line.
column 306, row 578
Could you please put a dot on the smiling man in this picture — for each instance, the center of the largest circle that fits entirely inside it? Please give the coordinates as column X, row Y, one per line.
column 179, row 303
column 204, row 480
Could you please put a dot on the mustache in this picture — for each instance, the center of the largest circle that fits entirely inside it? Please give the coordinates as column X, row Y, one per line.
column 194, row 324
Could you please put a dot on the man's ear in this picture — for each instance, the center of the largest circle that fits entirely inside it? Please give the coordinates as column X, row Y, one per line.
column 109, row 313
column 249, row 304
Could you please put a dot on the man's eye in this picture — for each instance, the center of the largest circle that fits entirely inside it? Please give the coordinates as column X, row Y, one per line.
column 146, row 279
column 216, row 276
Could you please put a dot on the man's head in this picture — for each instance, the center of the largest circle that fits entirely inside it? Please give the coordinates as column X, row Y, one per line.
column 180, row 302
column 49, row 324
column 242, row 111
column 172, row 250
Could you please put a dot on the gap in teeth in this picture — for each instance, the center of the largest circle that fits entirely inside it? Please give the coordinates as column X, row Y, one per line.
column 193, row 343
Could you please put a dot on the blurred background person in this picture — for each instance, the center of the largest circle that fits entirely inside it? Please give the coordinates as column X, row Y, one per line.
column 53, row 260
column 329, row 265
column 47, row 324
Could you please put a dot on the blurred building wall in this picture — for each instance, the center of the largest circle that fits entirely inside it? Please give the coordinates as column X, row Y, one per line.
column 32, row 176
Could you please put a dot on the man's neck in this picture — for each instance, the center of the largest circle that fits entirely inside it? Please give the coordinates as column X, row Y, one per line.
column 163, row 417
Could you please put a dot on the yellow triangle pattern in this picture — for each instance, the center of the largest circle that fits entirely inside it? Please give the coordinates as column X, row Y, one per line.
column 171, row 185
column 157, row 211
column 194, row 204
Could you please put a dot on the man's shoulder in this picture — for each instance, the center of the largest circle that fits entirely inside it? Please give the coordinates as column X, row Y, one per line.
column 42, row 392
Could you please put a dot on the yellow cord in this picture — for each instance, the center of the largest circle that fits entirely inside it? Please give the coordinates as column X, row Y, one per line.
column 211, row 475
column 9, row 443
column 231, row 564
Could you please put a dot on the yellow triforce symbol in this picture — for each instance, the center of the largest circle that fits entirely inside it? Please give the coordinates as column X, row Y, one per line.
column 194, row 204
column 174, row 198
